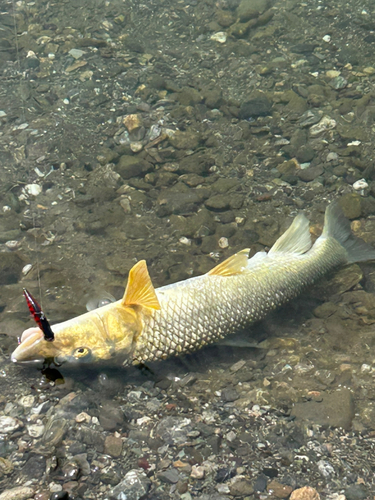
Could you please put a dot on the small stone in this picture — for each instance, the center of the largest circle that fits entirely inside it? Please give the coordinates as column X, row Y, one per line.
column 353, row 492
column 18, row 493
column 220, row 37
column 369, row 70
column 136, row 146
column 257, row 105
column 76, row 53
column 326, row 123
column 240, row 487
column 351, row 205
column 197, row 472
column 326, row 38
column 26, row 269
column 170, row 476
column 134, row 486
column 26, row 401
column 230, row 436
column 332, row 73
column 132, row 122
column 6, row 466
column 33, row 189
column 279, row 490
column 83, row 417
column 113, row 446
column 8, row 425
column 305, row 493
column 223, row 242
column 237, row 366
column 2, row 113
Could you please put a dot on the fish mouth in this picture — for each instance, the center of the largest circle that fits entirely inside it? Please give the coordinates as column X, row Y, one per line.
column 29, row 347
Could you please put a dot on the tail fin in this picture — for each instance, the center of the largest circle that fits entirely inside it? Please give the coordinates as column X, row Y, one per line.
column 337, row 226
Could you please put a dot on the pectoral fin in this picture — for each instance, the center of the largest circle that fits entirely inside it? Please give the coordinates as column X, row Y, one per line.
column 234, row 265
column 140, row 290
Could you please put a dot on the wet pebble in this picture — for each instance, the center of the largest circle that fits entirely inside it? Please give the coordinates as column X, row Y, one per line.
column 6, row 466
column 279, row 490
column 134, row 486
column 8, row 424
column 113, row 446
column 305, row 493
column 240, row 486
column 170, row 476
column 326, row 123
column 18, row 493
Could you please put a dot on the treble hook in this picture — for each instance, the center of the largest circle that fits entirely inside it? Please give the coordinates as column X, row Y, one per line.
column 39, row 316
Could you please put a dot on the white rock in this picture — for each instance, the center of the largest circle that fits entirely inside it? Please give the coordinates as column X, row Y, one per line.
column 326, row 38
column 2, row 113
column 360, row 185
column 197, row 472
column 18, row 493
column 33, row 189
column 185, row 241
column 223, row 242
column 326, row 123
column 220, row 37
column 7, row 425
column 76, row 53
column 26, row 269
column 26, row 401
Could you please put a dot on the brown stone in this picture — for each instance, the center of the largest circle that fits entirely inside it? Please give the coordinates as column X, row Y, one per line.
column 279, row 490
column 132, row 122
column 113, row 446
column 305, row 493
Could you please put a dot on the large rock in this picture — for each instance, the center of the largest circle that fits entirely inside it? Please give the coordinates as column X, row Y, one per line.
column 10, row 268
column 335, row 410
column 257, row 105
column 132, row 166
column 249, row 9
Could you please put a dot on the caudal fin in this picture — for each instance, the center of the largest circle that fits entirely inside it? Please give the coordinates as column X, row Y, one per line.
column 337, row 226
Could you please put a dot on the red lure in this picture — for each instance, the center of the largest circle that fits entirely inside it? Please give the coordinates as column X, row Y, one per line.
column 39, row 316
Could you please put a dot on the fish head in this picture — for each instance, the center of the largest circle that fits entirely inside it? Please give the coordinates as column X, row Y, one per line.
column 94, row 336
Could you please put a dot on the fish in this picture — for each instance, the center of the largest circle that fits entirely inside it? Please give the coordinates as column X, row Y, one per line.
column 150, row 324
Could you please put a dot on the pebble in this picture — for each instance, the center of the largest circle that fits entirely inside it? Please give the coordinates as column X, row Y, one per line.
column 220, row 37
column 170, row 476
column 33, row 189
column 8, row 424
column 18, row 493
column 83, row 417
column 76, row 53
column 113, row 446
column 26, row 269
column 279, row 490
column 223, row 242
column 305, row 493
column 134, row 486
column 326, row 38
column 12, row 244
column 197, row 472
column 132, row 122
column 326, row 123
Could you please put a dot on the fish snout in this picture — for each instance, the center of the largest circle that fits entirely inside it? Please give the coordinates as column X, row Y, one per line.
column 29, row 347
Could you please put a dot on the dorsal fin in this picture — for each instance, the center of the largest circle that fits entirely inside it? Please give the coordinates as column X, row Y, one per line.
column 233, row 265
column 296, row 238
column 140, row 290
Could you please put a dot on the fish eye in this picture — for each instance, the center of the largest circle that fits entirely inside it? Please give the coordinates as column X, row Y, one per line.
column 81, row 352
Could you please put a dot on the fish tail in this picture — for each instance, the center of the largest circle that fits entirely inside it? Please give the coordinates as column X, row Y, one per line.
column 337, row 226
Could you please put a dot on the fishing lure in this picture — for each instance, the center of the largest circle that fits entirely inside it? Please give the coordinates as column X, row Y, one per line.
column 39, row 316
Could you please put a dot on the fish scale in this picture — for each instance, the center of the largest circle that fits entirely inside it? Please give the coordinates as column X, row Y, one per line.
column 202, row 310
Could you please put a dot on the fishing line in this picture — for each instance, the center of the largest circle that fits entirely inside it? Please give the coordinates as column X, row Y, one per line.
column 27, row 164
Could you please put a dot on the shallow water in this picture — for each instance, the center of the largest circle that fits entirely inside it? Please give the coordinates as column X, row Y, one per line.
column 245, row 113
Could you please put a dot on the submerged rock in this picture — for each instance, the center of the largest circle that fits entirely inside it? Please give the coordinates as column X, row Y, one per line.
column 134, row 486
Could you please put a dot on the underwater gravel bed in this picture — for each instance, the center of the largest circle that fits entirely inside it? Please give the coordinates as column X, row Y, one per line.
column 182, row 132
